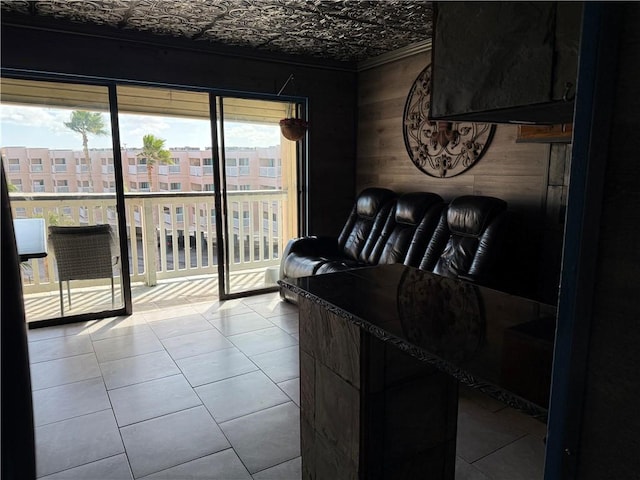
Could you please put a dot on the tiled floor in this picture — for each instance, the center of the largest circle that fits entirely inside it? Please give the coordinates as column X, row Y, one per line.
column 210, row 390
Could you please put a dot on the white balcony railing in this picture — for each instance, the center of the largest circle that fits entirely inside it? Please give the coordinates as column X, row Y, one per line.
column 136, row 169
column 271, row 172
column 170, row 235
column 169, row 169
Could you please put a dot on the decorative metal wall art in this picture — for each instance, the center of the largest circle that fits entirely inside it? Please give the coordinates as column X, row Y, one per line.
column 344, row 30
column 440, row 149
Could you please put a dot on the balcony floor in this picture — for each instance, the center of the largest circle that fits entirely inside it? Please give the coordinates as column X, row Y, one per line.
column 179, row 291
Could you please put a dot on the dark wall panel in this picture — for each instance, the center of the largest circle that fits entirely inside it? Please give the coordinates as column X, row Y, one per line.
column 611, row 418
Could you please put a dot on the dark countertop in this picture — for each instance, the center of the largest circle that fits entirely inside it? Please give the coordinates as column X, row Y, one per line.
column 490, row 340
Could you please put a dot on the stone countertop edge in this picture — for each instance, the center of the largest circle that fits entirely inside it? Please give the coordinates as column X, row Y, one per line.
column 510, row 399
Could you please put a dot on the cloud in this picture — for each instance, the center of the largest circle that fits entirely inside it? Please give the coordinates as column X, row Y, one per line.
column 251, row 135
column 140, row 125
column 26, row 125
column 43, row 127
column 50, row 119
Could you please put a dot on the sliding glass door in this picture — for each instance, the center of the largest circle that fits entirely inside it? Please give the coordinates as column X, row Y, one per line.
column 57, row 150
column 183, row 185
column 260, row 191
column 167, row 160
column 196, row 210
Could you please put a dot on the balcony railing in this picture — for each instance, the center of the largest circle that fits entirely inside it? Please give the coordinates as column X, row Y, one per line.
column 169, row 169
column 170, row 235
column 270, row 171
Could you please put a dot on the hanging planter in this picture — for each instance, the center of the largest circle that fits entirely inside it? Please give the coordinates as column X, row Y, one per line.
column 293, row 129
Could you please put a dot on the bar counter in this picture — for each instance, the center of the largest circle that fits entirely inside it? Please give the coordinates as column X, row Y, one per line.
column 382, row 350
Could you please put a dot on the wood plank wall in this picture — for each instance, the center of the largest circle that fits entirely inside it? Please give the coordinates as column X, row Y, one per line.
column 515, row 172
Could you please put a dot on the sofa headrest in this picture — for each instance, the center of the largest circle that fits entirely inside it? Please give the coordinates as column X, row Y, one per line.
column 371, row 200
column 411, row 207
column 469, row 215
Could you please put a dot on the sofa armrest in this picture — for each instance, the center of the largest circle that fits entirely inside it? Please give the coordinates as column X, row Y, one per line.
column 313, row 246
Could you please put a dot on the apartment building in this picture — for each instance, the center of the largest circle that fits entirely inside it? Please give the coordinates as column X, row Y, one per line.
column 42, row 170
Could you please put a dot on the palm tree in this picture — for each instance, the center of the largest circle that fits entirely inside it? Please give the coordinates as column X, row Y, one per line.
column 86, row 123
column 153, row 152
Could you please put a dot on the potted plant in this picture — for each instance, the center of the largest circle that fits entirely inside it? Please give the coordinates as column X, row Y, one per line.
column 293, row 128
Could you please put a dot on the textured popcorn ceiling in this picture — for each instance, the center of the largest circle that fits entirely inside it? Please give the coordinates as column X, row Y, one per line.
column 344, row 30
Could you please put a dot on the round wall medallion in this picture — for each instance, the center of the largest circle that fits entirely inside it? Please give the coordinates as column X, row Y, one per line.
column 439, row 148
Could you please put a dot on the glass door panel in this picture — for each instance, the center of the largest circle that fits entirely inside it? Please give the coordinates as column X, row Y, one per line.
column 57, row 151
column 56, row 147
column 260, row 185
column 167, row 161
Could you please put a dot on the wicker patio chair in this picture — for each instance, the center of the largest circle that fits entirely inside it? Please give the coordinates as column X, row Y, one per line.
column 83, row 253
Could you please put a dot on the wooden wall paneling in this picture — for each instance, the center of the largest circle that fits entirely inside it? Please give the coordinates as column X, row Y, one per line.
column 515, row 172
column 523, row 193
column 381, row 109
column 382, row 94
column 558, row 165
column 555, row 207
column 505, row 157
column 389, row 81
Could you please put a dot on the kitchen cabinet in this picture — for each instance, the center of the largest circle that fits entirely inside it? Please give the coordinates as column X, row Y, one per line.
column 505, row 62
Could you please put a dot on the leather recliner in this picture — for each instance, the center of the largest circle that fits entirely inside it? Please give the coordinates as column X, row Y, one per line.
column 460, row 240
column 409, row 212
column 467, row 240
column 304, row 256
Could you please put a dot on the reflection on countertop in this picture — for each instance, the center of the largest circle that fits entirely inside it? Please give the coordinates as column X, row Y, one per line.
column 498, row 343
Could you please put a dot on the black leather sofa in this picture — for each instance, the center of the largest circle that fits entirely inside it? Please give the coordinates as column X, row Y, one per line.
column 461, row 239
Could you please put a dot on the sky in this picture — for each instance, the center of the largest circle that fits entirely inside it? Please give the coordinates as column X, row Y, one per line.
column 25, row 126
